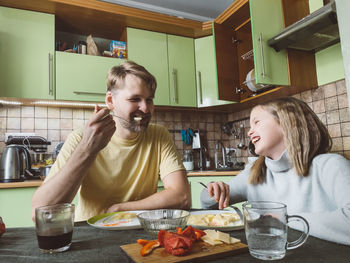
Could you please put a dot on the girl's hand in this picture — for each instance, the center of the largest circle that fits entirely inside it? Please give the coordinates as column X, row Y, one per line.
column 221, row 192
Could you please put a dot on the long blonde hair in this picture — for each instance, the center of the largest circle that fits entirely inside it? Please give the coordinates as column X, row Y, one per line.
column 305, row 136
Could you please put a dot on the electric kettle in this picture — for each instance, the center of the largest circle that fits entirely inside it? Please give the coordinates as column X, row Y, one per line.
column 15, row 164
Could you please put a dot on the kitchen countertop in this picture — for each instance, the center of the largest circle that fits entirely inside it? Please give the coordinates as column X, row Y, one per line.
column 98, row 245
column 36, row 183
column 29, row 183
column 212, row 173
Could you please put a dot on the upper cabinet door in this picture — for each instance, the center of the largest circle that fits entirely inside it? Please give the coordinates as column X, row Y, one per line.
column 149, row 49
column 207, row 82
column 266, row 21
column 26, row 54
column 181, row 71
column 82, row 77
column 226, row 62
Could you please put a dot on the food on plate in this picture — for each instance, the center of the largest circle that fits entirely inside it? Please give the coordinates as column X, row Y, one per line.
column 177, row 244
column 123, row 215
column 214, row 237
column 118, row 219
column 220, row 220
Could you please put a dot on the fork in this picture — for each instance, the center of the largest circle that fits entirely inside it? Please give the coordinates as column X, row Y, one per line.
column 232, row 206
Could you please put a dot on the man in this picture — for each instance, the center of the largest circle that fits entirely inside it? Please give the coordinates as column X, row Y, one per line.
column 115, row 162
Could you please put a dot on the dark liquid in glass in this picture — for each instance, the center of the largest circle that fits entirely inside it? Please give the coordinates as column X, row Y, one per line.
column 54, row 242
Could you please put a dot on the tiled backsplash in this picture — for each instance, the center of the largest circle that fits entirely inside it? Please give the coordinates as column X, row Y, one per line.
column 329, row 102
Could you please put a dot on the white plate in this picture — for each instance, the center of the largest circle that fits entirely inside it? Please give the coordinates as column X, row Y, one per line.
column 250, row 81
column 235, row 226
column 107, row 221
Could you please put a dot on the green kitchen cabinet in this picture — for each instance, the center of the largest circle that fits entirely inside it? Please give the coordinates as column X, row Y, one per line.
column 27, row 44
column 196, row 187
column 171, row 60
column 206, row 73
column 150, row 50
column 16, row 206
column 270, row 66
column 82, row 77
column 241, row 35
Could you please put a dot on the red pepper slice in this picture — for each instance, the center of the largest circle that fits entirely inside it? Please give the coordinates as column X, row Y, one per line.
column 199, row 233
column 142, row 241
column 146, row 249
column 179, row 230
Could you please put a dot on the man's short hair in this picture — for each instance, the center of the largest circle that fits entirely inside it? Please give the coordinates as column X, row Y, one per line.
column 117, row 74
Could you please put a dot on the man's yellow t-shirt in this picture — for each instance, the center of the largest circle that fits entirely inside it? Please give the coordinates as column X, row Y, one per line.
column 125, row 170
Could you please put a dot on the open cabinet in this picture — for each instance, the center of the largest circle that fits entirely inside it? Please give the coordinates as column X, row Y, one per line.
column 241, row 34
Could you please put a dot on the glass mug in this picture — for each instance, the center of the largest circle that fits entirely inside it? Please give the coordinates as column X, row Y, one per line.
column 54, row 227
column 266, row 227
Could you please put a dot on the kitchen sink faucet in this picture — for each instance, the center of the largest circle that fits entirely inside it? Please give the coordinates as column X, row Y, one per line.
column 217, row 163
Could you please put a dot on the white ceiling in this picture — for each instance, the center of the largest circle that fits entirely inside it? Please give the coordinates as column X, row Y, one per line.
column 200, row 10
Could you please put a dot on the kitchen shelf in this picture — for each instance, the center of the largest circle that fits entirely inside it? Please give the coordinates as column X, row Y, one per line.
column 249, row 55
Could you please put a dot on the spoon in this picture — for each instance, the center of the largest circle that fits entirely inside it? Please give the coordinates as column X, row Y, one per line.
column 136, row 118
column 241, row 144
column 232, row 206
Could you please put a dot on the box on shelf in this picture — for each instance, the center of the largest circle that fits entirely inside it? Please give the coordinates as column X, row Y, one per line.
column 118, row 49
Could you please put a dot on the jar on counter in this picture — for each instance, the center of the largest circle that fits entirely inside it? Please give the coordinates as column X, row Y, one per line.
column 188, row 160
column 82, row 47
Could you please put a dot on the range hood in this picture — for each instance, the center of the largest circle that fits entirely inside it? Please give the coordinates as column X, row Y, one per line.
column 314, row 32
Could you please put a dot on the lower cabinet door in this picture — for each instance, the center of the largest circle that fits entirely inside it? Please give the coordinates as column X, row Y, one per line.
column 82, row 77
column 16, row 206
column 196, row 187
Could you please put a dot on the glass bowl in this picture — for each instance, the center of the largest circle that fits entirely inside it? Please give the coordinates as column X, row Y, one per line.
column 167, row 219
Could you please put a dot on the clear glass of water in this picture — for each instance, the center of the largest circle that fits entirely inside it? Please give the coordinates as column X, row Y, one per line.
column 266, row 227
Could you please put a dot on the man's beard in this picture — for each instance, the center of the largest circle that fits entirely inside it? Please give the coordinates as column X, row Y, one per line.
column 136, row 126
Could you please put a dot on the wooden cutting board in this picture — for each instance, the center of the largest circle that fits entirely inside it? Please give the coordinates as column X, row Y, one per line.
column 200, row 252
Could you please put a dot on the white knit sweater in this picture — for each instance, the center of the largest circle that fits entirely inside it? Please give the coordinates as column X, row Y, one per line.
column 322, row 198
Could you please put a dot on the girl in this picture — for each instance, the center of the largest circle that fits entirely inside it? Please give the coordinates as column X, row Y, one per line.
column 293, row 167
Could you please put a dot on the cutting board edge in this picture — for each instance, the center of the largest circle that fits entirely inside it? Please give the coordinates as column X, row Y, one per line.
column 243, row 248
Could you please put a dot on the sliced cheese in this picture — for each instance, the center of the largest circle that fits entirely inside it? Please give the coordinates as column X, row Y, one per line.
column 211, row 233
column 214, row 237
column 235, row 240
column 224, row 237
column 211, row 241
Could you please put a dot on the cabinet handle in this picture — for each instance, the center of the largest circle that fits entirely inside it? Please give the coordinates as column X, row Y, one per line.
column 88, row 93
column 50, row 81
column 175, row 100
column 262, row 56
column 200, row 87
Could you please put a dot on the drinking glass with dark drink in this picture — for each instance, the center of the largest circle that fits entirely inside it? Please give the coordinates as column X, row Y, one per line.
column 54, row 227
